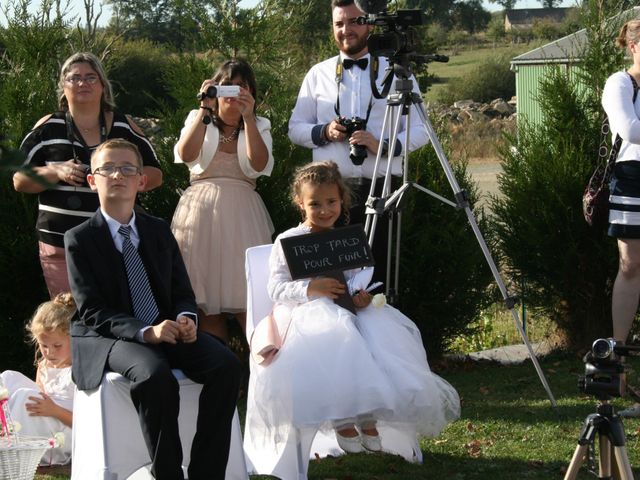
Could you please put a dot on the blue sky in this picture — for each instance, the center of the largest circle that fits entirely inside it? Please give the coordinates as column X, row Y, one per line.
column 77, row 6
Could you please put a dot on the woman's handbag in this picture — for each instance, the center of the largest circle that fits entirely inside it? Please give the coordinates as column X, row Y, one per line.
column 595, row 199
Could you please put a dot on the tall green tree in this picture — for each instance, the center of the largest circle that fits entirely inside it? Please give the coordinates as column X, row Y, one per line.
column 172, row 22
column 467, row 15
column 470, row 15
column 505, row 4
column 435, row 11
column 29, row 70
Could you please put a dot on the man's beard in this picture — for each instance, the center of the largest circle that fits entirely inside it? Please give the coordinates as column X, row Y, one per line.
column 355, row 48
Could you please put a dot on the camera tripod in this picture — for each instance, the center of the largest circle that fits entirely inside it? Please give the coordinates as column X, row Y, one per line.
column 608, row 426
column 398, row 105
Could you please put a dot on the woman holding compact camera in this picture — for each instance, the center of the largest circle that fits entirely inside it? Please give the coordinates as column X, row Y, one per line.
column 226, row 147
column 58, row 149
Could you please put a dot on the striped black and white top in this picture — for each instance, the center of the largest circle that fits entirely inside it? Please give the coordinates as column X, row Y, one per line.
column 622, row 105
column 65, row 206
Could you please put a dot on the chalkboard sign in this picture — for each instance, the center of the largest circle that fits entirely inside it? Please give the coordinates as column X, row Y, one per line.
column 327, row 251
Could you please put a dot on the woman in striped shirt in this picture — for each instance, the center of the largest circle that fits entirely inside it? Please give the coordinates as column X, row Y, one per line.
column 58, row 150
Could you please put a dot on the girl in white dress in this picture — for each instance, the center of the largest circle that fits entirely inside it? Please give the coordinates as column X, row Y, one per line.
column 43, row 408
column 364, row 378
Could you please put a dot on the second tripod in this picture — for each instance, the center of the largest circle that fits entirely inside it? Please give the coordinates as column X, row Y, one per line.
column 613, row 461
column 603, row 377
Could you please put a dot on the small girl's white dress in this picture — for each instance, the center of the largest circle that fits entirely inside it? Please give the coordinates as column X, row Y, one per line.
column 335, row 365
column 58, row 385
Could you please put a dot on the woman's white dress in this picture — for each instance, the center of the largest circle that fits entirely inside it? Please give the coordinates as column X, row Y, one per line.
column 335, row 365
column 58, row 385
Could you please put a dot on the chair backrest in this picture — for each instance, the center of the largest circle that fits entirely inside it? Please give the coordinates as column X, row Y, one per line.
column 256, row 268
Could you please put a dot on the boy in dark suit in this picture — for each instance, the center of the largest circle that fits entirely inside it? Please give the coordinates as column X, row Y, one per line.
column 136, row 317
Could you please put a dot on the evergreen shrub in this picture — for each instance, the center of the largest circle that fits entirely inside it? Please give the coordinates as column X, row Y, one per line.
column 21, row 283
column 566, row 265
column 136, row 71
column 182, row 76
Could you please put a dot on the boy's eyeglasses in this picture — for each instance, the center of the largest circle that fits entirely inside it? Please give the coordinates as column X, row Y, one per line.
column 110, row 170
column 87, row 79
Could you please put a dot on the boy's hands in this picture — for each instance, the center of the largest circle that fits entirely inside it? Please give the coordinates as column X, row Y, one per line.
column 165, row 332
column 169, row 331
column 187, row 328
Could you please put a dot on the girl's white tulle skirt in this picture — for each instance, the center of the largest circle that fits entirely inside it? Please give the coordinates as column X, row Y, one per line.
column 334, row 365
column 423, row 399
column 323, row 373
column 20, row 389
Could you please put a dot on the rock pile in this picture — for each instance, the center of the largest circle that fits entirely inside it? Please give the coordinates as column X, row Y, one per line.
column 150, row 126
column 464, row 111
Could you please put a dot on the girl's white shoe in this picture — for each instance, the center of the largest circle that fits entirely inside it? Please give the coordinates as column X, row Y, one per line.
column 370, row 442
column 349, row 444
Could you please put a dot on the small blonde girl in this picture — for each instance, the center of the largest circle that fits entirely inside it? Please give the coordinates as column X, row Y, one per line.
column 44, row 407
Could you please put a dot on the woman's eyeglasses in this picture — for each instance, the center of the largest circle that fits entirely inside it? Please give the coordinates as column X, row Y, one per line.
column 87, row 79
column 110, row 170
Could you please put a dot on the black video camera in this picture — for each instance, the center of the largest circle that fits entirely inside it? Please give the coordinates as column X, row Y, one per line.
column 603, row 367
column 357, row 153
column 397, row 38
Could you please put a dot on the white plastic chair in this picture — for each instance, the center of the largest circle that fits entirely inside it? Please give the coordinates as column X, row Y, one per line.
column 108, row 442
column 293, row 461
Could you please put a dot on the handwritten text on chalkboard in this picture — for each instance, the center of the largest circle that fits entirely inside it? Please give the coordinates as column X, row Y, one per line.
column 330, row 250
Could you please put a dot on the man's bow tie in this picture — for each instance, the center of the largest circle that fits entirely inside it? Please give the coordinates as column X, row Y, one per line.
column 362, row 63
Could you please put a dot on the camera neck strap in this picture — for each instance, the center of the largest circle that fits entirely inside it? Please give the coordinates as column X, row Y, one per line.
column 74, row 134
column 373, row 75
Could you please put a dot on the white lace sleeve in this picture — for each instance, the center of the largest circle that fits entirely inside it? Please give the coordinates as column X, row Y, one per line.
column 282, row 289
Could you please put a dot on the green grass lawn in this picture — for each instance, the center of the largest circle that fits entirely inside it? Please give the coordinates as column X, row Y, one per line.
column 508, row 429
column 495, row 328
column 467, row 60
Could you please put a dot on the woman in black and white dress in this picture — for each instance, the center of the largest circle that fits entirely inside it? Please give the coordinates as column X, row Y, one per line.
column 624, row 216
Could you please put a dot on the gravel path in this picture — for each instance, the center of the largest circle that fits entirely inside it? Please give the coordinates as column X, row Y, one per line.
column 485, row 176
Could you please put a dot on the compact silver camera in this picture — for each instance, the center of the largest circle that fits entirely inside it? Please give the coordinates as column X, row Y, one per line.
column 214, row 91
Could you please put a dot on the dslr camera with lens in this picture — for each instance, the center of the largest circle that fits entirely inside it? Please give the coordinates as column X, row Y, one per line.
column 357, row 153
